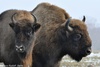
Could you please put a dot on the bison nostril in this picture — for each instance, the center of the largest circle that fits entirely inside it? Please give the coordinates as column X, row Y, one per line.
column 88, row 51
column 20, row 48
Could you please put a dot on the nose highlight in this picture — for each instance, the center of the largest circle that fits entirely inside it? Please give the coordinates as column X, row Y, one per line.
column 20, row 48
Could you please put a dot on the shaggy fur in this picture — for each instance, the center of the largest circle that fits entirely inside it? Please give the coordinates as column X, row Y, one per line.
column 54, row 39
column 17, row 28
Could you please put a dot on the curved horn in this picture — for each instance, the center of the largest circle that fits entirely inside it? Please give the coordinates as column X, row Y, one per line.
column 35, row 20
column 67, row 24
column 13, row 18
column 84, row 18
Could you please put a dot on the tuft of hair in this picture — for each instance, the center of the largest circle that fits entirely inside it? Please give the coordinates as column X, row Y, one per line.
column 22, row 15
column 79, row 24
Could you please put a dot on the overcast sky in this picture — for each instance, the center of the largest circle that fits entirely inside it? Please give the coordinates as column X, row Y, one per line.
column 76, row 8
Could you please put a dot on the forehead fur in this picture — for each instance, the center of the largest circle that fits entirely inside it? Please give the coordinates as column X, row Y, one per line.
column 78, row 23
column 23, row 15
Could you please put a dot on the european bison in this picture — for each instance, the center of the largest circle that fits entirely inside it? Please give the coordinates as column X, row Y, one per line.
column 59, row 35
column 17, row 29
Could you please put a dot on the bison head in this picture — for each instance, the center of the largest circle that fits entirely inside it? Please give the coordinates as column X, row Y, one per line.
column 76, row 40
column 24, row 32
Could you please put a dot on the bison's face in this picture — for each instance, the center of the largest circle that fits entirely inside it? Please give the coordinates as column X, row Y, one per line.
column 23, row 39
column 78, row 42
column 24, row 34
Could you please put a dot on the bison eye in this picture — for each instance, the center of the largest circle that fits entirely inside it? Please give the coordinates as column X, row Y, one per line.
column 29, row 33
column 77, row 37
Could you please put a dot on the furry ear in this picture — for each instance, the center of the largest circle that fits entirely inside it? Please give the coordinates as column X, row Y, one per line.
column 36, row 26
column 12, row 25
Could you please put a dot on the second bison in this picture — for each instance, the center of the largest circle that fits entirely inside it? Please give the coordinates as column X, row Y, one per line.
column 59, row 35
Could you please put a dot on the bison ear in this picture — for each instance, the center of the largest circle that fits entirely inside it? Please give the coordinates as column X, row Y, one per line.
column 36, row 26
column 12, row 25
column 66, row 25
column 84, row 18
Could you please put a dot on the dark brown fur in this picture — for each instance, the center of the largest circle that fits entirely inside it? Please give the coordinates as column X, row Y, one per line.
column 14, row 29
column 54, row 39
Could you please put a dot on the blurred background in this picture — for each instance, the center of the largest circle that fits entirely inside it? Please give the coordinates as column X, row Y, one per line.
column 76, row 9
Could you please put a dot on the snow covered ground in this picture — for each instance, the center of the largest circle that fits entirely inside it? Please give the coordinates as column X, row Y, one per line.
column 94, row 54
column 93, row 60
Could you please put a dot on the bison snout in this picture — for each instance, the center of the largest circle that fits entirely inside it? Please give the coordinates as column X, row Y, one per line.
column 20, row 48
column 88, row 50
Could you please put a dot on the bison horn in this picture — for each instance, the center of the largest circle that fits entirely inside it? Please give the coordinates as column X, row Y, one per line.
column 84, row 18
column 35, row 20
column 66, row 24
column 13, row 18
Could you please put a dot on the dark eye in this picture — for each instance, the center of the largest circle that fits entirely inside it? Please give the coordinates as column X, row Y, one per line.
column 77, row 37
